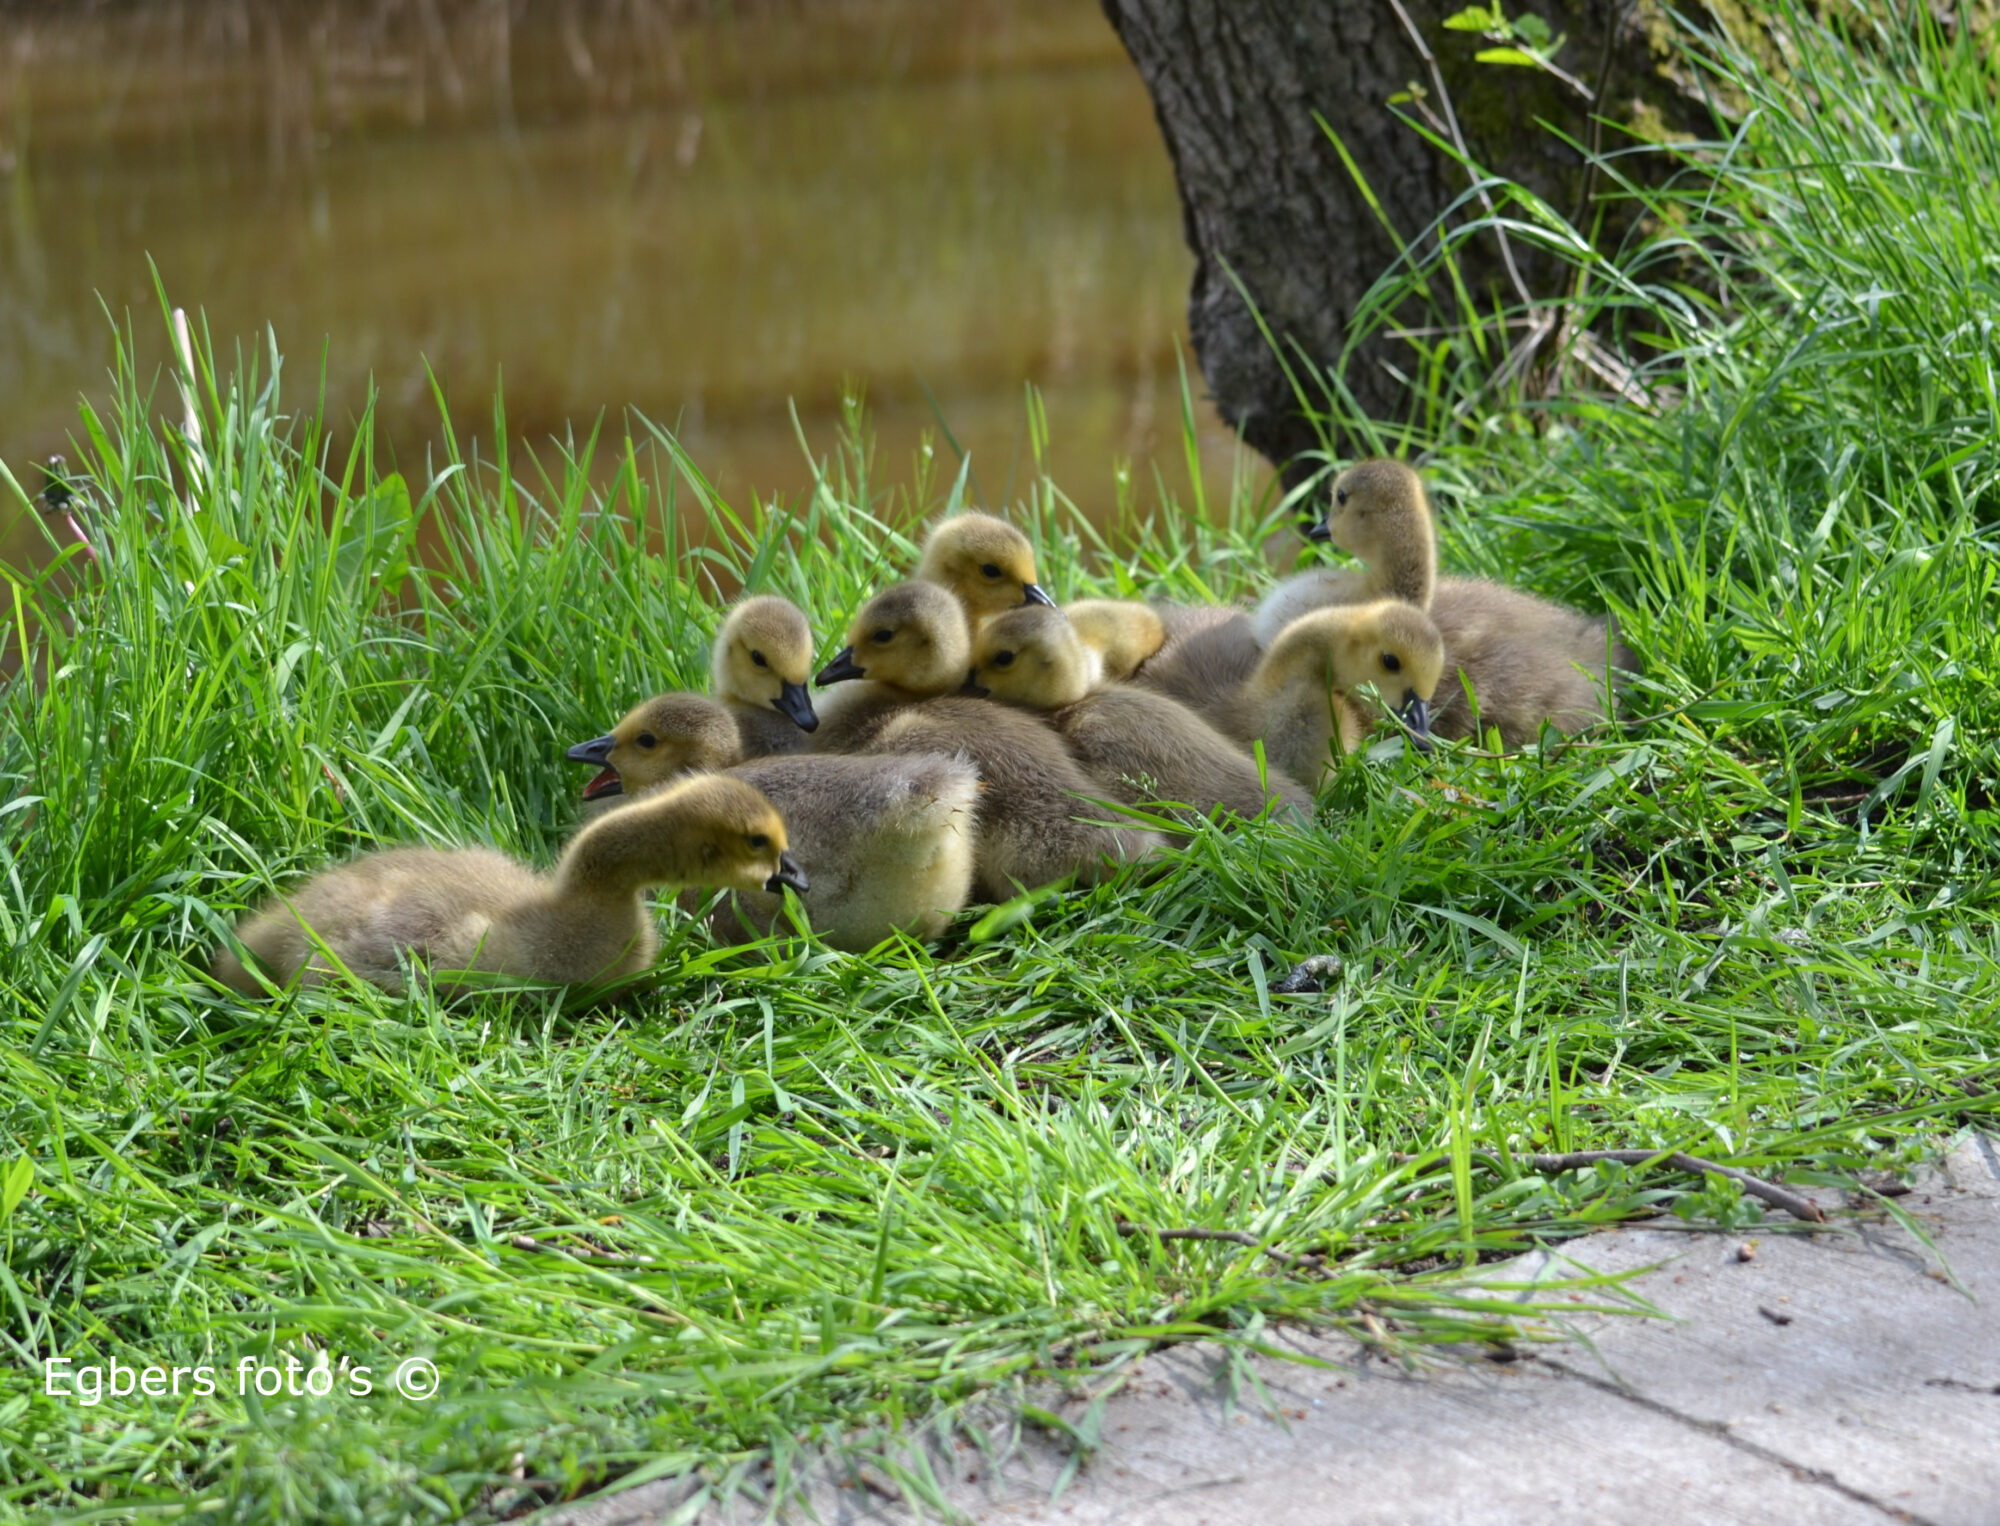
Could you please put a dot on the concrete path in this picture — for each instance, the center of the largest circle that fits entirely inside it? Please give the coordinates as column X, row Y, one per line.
column 1839, row 1378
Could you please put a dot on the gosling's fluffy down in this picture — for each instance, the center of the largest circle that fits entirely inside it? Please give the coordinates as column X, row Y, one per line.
column 887, row 843
column 1209, row 654
column 1142, row 747
column 1122, row 634
column 760, row 667
column 1526, row 660
column 1036, row 822
column 1305, row 699
column 472, row 909
column 985, row 563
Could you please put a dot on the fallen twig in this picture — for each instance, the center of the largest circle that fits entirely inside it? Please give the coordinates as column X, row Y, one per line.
column 581, row 1252
column 1226, row 1236
column 1769, row 1192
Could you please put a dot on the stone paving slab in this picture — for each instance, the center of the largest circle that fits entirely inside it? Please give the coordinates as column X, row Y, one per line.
column 1832, row 1378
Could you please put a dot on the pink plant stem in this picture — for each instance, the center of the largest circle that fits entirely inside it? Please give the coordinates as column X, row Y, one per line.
column 81, row 539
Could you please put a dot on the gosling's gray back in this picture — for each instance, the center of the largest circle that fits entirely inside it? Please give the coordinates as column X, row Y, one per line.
column 1149, row 748
column 1034, row 794
column 870, row 834
column 1209, row 654
column 1527, row 660
column 398, row 899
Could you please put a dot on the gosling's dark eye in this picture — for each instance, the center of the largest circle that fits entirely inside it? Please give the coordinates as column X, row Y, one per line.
column 758, row 658
column 647, row 739
column 759, row 840
column 1341, row 496
column 883, row 637
column 991, row 570
column 1003, row 659
column 1392, row 662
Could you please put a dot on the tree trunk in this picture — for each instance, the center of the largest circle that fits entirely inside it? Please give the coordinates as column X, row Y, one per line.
column 1235, row 84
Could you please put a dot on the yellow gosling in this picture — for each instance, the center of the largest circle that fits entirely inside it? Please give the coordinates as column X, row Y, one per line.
column 1142, row 747
column 1036, row 820
column 1123, row 633
column 907, row 643
column 887, row 843
column 476, row 910
column 1527, row 661
column 1304, row 702
column 759, row 668
column 986, row 563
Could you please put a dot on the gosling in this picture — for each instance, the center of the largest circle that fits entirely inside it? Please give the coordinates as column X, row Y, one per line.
column 912, row 642
column 762, row 659
column 988, row 565
column 910, row 646
column 1304, row 699
column 1525, row 660
column 1119, row 634
column 476, row 910
column 887, row 843
column 1145, row 747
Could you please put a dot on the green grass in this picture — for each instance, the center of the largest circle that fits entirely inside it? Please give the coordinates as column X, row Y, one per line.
column 830, row 1194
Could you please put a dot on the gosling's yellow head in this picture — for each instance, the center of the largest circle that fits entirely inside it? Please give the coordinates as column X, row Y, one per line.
column 1123, row 632
column 763, row 656
column 727, row 834
column 668, row 735
column 710, row 830
column 1389, row 644
column 911, row 636
column 1376, row 505
column 985, row 562
column 1029, row 657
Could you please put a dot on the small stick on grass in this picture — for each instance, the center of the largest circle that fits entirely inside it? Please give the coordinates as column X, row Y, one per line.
column 1769, row 1192
column 1225, row 1236
column 581, row 1252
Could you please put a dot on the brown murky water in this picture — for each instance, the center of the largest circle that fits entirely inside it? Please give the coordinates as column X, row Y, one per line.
column 701, row 211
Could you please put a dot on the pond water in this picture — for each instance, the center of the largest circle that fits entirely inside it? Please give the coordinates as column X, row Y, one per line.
column 706, row 212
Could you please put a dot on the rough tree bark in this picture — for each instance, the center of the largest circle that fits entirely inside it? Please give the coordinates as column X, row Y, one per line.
column 1235, row 84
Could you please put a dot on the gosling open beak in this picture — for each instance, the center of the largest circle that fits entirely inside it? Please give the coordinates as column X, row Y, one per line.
column 796, row 706
column 1416, row 715
column 1036, row 594
column 597, row 750
column 789, row 876
column 973, row 686
column 1319, row 532
column 842, row 667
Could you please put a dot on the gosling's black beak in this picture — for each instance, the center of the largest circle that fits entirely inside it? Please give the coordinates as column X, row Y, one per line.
column 973, row 686
column 1036, row 594
column 1416, row 715
column 789, row 876
column 843, row 666
column 597, row 750
column 1319, row 532
column 796, row 706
